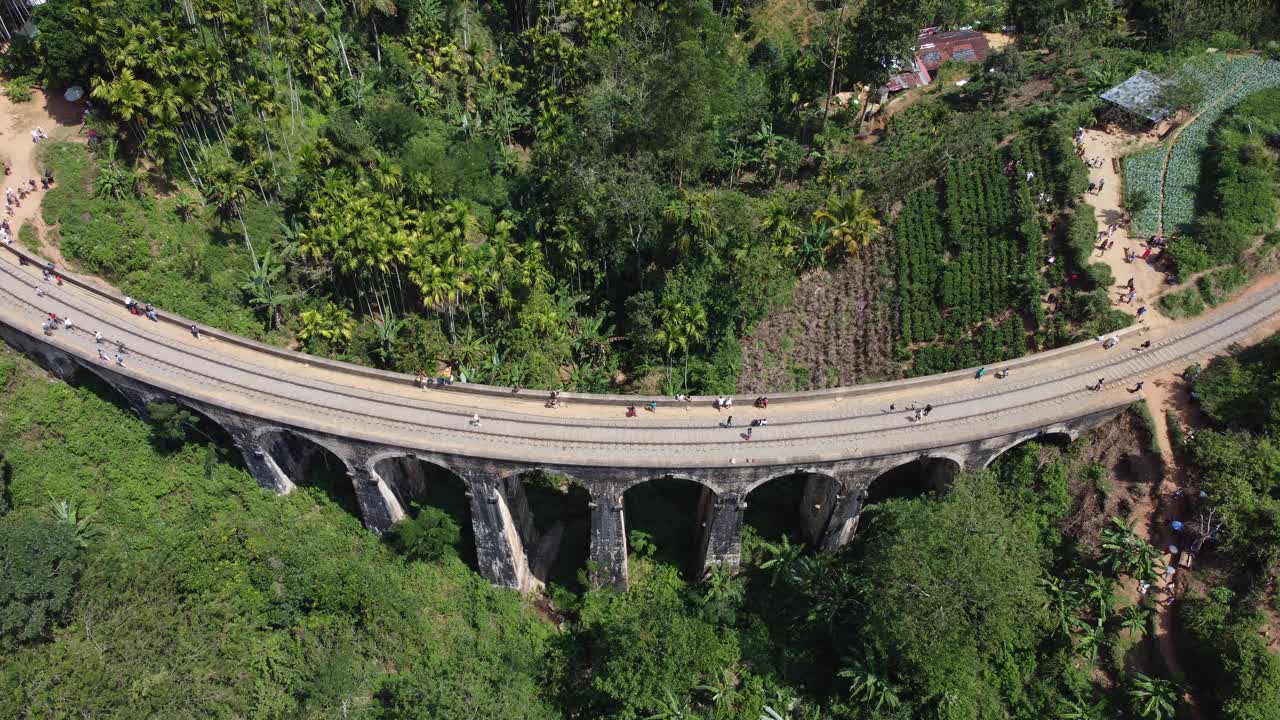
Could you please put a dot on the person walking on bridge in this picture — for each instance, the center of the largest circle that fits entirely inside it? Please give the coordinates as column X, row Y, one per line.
column 475, row 420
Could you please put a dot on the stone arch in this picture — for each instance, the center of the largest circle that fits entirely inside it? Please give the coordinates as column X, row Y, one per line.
column 212, row 424
column 1056, row 434
column 417, row 482
column 675, row 511
column 299, row 459
column 688, row 477
column 911, row 477
column 796, row 503
column 552, row 513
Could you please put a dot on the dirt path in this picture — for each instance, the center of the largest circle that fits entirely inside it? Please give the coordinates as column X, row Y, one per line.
column 61, row 120
column 1161, row 393
column 1149, row 282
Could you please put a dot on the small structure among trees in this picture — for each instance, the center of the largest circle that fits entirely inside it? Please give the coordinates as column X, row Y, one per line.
column 1139, row 100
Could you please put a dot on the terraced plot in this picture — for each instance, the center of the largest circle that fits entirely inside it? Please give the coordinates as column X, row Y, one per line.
column 1170, row 172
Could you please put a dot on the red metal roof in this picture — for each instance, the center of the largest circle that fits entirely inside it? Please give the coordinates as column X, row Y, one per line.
column 936, row 48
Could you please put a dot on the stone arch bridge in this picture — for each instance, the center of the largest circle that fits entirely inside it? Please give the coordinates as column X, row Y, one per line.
column 283, row 408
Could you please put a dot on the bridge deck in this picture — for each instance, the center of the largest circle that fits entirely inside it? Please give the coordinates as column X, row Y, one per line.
column 808, row 428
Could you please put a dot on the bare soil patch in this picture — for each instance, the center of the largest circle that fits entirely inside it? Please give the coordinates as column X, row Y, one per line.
column 839, row 329
column 1132, row 476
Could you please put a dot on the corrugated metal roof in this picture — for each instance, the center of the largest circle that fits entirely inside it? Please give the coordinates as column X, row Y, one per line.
column 1140, row 95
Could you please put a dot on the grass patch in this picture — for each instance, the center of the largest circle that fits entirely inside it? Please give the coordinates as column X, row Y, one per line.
column 29, row 237
column 1143, row 412
column 1217, row 286
column 1177, row 433
column 141, row 245
column 1182, row 303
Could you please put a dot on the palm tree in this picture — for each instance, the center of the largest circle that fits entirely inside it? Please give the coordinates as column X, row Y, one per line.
column 681, row 325
column 227, row 187
column 1153, row 698
column 127, row 96
column 724, row 591
column 1060, row 601
column 1101, row 592
column 868, row 681
column 389, row 329
column 782, row 227
column 66, row 512
column 1127, row 553
column 259, row 284
column 1092, row 638
column 691, row 216
column 1137, row 619
column 850, row 223
column 670, row 709
column 781, row 559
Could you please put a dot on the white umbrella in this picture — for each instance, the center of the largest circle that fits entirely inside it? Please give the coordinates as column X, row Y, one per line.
column 73, row 93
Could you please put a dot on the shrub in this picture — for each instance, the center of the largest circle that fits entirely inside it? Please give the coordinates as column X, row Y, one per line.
column 1100, row 275
column 19, row 90
column 39, row 567
column 1189, row 255
column 1224, row 40
column 1218, row 285
column 1177, row 433
column 1223, row 240
column 1136, row 201
column 431, row 535
column 1143, row 411
column 1182, row 303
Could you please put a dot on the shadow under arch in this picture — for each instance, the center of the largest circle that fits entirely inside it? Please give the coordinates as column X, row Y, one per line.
column 791, row 505
column 664, row 518
column 206, row 429
column 1061, row 438
column 309, row 465
column 552, row 512
column 927, row 474
column 417, row 483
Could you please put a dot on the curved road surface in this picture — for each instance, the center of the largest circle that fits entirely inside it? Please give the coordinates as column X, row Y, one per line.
column 829, row 425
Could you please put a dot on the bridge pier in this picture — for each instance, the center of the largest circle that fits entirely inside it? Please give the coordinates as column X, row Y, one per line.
column 518, row 506
column 500, row 550
column 720, row 521
column 262, row 466
column 608, row 561
column 831, row 506
column 379, row 506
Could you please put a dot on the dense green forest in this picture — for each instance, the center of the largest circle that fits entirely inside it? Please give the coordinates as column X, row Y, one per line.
column 605, row 195
column 146, row 574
